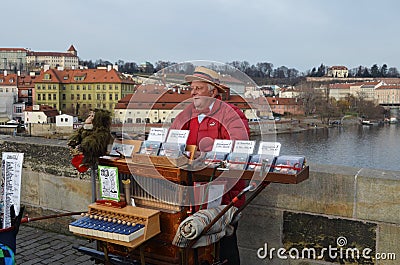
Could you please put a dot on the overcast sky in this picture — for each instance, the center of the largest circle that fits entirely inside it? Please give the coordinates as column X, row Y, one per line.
column 299, row 34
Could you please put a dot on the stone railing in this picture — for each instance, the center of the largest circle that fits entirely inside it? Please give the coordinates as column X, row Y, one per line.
column 358, row 209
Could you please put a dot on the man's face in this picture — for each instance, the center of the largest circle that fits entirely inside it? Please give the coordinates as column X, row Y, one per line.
column 201, row 94
column 90, row 118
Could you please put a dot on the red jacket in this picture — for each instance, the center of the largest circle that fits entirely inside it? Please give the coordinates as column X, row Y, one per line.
column 224, row 121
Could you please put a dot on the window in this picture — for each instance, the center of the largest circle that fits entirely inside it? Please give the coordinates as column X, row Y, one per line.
column 98, row 87
column 116, row 96
column 72, row 96
column 54, row 96
column 98, row 96
column 110, row 96
column 63, row 96
column 78, row 97
column 104, row 96
column 18, row 109
column 84, row 96
column 89, row 96
column 104, row 87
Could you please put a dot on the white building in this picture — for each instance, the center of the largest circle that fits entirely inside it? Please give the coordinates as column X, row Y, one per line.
column 65, row 60
column 8, row 95
column 64, row 120
column 40, row 114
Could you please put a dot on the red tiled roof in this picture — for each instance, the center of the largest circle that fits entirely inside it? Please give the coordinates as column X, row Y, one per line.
column 51, row 54
column 8, row 80
column 26, row 81
column 282, row 101
column 47, row 110
column 338, row 67
column 341, row 85
column 90, row 76
column 397, row 86
column 13, row 49
column 72, row 49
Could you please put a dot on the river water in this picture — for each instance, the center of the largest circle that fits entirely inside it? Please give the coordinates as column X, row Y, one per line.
column 376, row 147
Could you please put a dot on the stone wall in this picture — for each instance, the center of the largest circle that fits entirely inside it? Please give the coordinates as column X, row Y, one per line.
column 357, row 206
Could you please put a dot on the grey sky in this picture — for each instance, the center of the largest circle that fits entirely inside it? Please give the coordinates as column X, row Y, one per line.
column 299, row 34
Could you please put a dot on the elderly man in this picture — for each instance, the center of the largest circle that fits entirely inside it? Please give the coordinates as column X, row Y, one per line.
column 208, row 118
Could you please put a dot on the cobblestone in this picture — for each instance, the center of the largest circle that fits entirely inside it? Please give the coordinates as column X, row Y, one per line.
column 36, row 246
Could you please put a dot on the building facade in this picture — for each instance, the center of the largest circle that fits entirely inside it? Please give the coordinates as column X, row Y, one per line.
column 13, row 59
column 80, row 90
column 338, row 71
column 65, row 60
column 8, row 95
column 388, row 95
column 40, row 114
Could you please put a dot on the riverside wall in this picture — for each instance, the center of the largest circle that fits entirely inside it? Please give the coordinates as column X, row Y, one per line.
column 359, row 205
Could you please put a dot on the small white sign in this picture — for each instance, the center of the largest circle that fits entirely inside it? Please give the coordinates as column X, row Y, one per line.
column 244, row 146
column 178, row 136
column 269, row 148
column 10, row 192
column 157, row 134
column 222, row 146
column 109, row 183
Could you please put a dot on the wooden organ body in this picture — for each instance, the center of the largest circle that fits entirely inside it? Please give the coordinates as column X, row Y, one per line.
column 156, row 245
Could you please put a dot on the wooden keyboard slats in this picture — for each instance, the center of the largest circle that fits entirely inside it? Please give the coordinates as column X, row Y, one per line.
column 148, row 217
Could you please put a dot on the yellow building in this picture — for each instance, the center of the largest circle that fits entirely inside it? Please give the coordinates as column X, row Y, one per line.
column 78, row 91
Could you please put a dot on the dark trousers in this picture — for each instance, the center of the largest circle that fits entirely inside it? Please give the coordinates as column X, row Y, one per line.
column 229, row 249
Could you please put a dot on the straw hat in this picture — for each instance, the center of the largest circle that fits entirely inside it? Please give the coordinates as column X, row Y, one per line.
column 204, row 74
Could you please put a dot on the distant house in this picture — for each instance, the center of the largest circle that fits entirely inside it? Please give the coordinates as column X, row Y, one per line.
column 40, row 114
column 285, row 105
column 338, row 71
column 289, row 92
column 64, row 120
